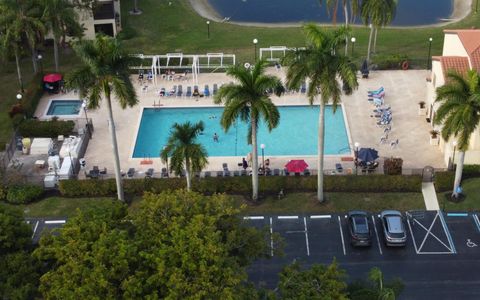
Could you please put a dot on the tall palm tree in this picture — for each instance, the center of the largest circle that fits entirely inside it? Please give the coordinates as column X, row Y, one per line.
column 60, row 18
column 322, row 66
column 186, row 154
column 376, row 277
column 249, row 100
column 459, row 113
column 376, row 14
column 104, row 71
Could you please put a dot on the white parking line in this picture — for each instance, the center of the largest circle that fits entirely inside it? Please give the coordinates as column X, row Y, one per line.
column 321, row 217
column 271, row 237
column 341, row 234
column 253, row 218
column 411, row 233
column 306, row 235
column 376, row 233
column 287, row 217
column 477, row 221
column 56, row 222
column 35, row 229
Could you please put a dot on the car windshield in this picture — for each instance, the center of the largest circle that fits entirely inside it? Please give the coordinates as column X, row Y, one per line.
column 395, row 224
column 360, row 224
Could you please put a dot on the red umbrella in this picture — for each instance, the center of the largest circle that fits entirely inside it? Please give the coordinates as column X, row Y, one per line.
column 296, row 166
column 51, row 78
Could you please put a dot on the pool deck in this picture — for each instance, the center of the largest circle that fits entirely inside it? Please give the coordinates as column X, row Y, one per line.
column 404, row 89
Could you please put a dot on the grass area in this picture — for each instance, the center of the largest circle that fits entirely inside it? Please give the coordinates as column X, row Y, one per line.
column 291, row 204
column 471, row 188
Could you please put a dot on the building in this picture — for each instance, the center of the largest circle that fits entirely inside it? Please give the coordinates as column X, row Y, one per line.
column 461, row 52
column 105, row 18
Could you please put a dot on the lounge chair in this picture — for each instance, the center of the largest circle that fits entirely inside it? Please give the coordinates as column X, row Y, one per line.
column 179, row 91
column 225, row 166
column 215, row 89
column 236, row 173
column 377, row 91
column 226, row 173
column 276, row 172
column 195, row 93
column 149, row 173
column 173, row 91
column 103, row 172
column 219, row 173
column 339, row 167
column 189, row 92
column 379, row 95
column 164, row 172
column 243, row 173
column 130, row 172
column 394, row 144
column 303, row 88
column 206, row 91
column 285, row 172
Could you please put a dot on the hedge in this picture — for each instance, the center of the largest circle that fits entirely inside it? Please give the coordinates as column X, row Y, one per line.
column 444, row 180
column 23, row 194
column 242, row 185
column 33, row 94
column 52, row 128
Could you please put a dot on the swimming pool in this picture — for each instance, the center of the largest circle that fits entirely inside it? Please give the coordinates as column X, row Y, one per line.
column 296, row 134
column 64, row 108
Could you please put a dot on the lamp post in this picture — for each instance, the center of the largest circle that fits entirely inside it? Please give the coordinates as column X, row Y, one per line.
column 453, row 157
column 84, row 106
column 263, row 159
column 429, row 52
column 353, row 40
column 19, row 97
column 255, row 42
column 357, row 144
column 39, row 58
column 208, row 29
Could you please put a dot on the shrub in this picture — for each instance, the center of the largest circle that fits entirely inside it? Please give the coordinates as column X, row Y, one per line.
column 393, row 166
column 32, row 95
column 23, row 194
column 391, row 62
column 444, row 181
column 242, row 185
column 16, row 109
column 3, row 193
column 470, row 171
column 52, row 129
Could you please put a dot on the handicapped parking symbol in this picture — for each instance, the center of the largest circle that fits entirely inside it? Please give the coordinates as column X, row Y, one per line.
column 471, row 244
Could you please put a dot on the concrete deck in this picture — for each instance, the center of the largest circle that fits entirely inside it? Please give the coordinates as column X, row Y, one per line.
column 404, row 89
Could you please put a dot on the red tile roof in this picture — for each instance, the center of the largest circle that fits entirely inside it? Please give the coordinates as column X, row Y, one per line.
column 470, row 39
column 458, row 64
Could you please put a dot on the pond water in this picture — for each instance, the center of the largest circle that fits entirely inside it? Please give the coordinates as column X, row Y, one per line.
column 409, row 12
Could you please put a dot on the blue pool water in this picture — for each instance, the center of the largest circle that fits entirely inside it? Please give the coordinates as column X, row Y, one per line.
column 295, row 135
column 64, row 107
column 409, row 12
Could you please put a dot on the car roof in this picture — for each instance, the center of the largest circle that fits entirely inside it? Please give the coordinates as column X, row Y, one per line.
column 394, row 224
column 391, row 212
column 357, row 212
column 360, row 223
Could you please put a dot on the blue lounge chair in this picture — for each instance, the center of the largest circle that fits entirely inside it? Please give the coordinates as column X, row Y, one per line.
column 195, row 93
column 179, row 91
column 339, row 167
column 189, row 92
column 206, row 91
column 303, row 89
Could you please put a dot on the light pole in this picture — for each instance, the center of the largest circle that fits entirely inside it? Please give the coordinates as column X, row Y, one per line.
column 429, row 52
column 263, row 159
column 19, row 97
column 357, row 144
column 208, row 29
column 39, row 58
column 255, row 42
column 353, row 40
column 453, row 157
column 84, row 106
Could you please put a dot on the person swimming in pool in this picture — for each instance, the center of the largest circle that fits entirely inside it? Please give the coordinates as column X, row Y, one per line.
column 215, row 137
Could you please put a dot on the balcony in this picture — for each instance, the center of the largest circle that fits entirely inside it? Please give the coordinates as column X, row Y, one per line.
column 104, row 10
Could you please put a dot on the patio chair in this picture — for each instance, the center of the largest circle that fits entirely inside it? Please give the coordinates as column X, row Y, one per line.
column 376, row 92
column 149, row 173
column 394, row 144
column 306, row 172
column 285, row 172
column 164, row 173
column 243, row 173
column 276, row 172
column 215, row 89
column 208, row 174
column 189, row 92
column 179, row 91
column 339, row 167
column 173, row 91
column 226, row 173
column 236, row 173
column 195, row 93
column 303, row 88
column 206, row 91
column 219, row 173
column 225, row 166
column 103, row 172
column 130, row 172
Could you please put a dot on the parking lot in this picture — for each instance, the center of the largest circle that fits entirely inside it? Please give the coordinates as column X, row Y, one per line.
column 41, row 226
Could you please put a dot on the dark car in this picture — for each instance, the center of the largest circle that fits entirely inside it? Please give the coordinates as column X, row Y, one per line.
column 393, row 228
column 359, row 228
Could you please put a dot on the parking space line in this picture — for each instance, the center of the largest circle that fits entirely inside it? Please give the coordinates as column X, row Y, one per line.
column 253, row 218
column 287, row 217
column 413, row 237
column 35, row 229
column 55, row 222
column 341, row 234
column 429, row 232
column 306, row 235
column 457, row 214
column 321, row 217
column 447, row 232
column 271, row 237
column 376, row 233
column 477, row 221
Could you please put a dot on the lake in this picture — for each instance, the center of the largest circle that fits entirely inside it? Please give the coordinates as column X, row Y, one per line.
column 409, row 12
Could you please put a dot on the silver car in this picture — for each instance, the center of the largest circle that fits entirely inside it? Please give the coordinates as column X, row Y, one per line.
column 393, row 228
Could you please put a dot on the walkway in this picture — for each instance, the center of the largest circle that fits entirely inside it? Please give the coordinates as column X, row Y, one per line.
column 430, row 196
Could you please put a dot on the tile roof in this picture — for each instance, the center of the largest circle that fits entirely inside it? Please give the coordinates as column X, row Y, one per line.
column 458, row 64
column 470, row 39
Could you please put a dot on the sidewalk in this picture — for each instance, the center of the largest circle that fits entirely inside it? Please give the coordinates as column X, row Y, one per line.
column 430, row 196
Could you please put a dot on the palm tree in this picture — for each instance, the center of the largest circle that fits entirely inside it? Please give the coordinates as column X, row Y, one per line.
column 376, row 14
column 60, row 17
column 459, row 113
column 376, row 277
column 322, row 66
column 104, row 71
column 250, row 101
column 186, row 154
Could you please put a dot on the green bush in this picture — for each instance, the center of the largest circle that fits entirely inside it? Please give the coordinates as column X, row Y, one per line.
column 32, row 95
column 52, row 128
column 23, row 194
column 444, row 181
column 242, row 185
column 390, row 62
column 3, row 193
column 471, row 171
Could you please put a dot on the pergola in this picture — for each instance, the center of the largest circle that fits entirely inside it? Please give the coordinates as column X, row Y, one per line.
column 180, row 61
column 272, row 53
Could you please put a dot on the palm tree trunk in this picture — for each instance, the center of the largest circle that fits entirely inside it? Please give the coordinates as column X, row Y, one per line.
column 345, row 9
column 369, row 43
column 187, row 174
column 254, row 160
column 458, row 173
column 321, row 134
column 118, row 176
column 19, row 72
column 34, row 61
column 135, row 5
column 375, row 41
column 55, row 51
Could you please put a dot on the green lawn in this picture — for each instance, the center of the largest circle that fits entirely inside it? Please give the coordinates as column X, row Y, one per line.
column 471, row 188
column 291, row 204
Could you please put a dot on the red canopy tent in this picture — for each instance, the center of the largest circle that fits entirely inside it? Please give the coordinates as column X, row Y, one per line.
column 296, row 166
column 51, row 78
